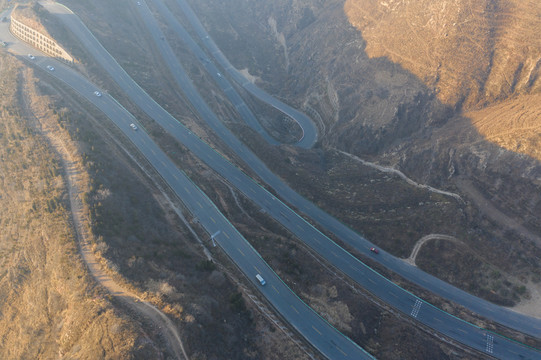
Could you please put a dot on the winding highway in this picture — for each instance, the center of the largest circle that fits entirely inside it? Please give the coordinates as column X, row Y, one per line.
column 491, row 344
column 310, row 132
column 314, row 328
column 229, row 90
column 504, row 316
column 499, row 314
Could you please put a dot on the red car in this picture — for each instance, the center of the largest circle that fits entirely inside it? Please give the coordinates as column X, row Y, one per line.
column 374, row 250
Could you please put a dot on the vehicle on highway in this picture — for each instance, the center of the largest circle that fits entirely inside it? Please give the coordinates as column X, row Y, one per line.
column 97, row 93
column 220, row 75
column 260, row 279
column 32, row 57
column 133, row 126
column 50, row 68
column 374, row 250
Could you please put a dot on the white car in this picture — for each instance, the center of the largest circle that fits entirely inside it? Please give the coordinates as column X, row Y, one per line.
column 133, row 126
column 220, row 75
column 32, row 57
column 97, row 93
column 50, row 68
column 139, row 3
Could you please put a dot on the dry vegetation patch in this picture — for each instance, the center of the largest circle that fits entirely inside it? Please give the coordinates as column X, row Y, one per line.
column 446, row 259
column 468, row 50
column 26, row 13
column 49, row 306
column 513, row 124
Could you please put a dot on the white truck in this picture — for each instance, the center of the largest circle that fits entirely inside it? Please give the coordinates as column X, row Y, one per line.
column 260, row 279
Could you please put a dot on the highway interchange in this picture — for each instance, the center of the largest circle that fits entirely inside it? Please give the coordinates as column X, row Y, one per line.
column 496, row 313
column 206, row 212
column 316, row 330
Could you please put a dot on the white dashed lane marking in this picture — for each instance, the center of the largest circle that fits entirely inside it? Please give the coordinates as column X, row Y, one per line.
column 416, row 308
column 490, row 344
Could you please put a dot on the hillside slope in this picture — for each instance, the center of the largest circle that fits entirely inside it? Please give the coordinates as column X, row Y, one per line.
column 513, row 124
column 472, row 54
column 48, row 305
column 468, row 51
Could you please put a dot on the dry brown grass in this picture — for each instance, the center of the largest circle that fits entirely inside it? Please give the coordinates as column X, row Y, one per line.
column 27, row 15
column 469, row 50
column 49, row 307
column 513, row 124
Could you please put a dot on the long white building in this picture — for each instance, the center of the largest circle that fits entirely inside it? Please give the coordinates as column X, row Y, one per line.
column 38, row 40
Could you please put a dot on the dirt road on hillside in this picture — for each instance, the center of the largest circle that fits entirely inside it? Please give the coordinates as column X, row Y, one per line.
column 422, row 241
column 75, row 176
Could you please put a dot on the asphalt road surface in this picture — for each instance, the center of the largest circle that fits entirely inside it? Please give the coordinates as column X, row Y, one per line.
column 222, row 81
column 504, row 316
column 310, row 132
column 455, row 328
column 315, row 329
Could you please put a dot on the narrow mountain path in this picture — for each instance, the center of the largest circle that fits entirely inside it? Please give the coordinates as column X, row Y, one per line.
column 400, row 174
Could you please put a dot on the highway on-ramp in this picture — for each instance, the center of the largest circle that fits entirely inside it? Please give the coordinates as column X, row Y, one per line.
column 461, row 331
column 227, row 88
column 309, row 128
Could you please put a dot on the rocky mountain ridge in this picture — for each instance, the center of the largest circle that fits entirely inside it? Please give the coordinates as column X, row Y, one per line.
column 468, row 51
